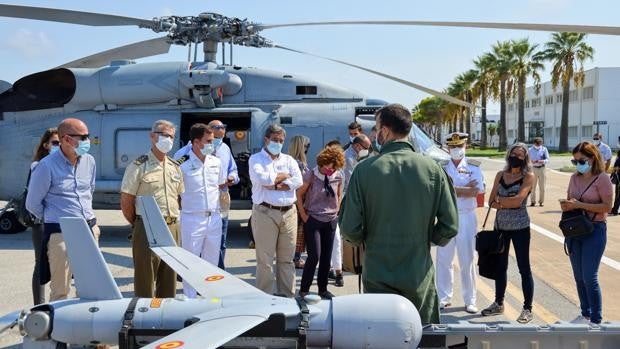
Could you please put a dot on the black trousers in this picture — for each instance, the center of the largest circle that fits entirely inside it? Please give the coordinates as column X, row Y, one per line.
column 38, row 290
column 616, row 200
column 521, row 240
column 319, row 237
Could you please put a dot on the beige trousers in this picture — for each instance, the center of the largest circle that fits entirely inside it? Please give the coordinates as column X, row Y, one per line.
column 539, row 178
column 275, row 233
column 60, row 281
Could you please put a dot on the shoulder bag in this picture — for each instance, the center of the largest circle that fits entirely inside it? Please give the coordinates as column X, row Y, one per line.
column 489, row 241
column 576, row 222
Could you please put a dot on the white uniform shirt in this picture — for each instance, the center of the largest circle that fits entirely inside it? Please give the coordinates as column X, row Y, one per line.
column 202, row 180
column 462, row 175
column 263, row 172
column 350, row 161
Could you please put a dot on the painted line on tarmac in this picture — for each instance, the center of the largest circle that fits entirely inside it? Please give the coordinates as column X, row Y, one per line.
column 553, row 236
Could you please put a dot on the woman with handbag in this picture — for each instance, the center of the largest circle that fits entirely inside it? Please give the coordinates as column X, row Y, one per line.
column 594, row 189
column 509, row 195
column 48, row 144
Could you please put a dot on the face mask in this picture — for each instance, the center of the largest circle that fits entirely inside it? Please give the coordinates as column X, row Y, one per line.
column 207, row 149
column 217, row 142
column 376, row 145
column 597, row 142
column 351, row 138
column 583, row 168
column 82, row 148
column 515, row 162
column 536, row 146
column 328, row 171
column 274, row 147
column 54, row 149
column 164, row 144
column 362, row 153
column 457, row 153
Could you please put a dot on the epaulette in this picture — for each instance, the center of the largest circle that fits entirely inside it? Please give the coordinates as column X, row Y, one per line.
column 142, row 159
column 473, row 162
column 180, row 160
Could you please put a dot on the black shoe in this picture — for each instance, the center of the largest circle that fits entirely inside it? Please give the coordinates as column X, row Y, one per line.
column 331, row 274
column 541, row 204
column 339, row 281
column 326, row 295
column 533, row 204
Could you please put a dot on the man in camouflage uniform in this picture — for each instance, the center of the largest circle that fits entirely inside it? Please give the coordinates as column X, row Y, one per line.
column 157, row 175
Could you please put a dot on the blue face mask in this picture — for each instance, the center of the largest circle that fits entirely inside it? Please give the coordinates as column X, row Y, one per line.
column 54, row 149
column 83, row 147
column 583, row 168
column 376, row 145
column 274, row 147
column 217, row 142
column 207, row 149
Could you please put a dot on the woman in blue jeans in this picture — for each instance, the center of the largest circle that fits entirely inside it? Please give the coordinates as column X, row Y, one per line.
column 589, row 189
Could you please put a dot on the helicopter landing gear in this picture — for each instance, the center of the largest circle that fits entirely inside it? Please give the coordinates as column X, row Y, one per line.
column 8, row 220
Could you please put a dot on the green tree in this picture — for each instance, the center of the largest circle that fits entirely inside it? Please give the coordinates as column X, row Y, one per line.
column 481, row 89
column 525, row 64
column 430, row 114
column 567, row 51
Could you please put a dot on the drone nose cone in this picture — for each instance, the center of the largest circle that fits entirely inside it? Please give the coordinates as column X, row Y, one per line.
column 378, row 320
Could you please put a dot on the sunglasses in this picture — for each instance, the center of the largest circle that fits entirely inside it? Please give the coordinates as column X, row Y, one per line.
column 580, row 161
column 219, row 127
column 82, row 137
column 55, row 142
column 164, row 134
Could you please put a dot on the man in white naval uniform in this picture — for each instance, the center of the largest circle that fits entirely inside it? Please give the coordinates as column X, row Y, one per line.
column 201, row 222
column 468, row 182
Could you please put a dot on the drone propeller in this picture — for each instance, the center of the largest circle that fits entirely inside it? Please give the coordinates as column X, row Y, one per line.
column 589, row 29
column 136, row 50
column 387, row 76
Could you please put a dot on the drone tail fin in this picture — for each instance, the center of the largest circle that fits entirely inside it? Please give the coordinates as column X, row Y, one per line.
column 93, row 279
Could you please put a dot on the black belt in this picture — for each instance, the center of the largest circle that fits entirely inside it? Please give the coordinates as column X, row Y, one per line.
column 169, row 220
column 279, row 208
column 539, row 166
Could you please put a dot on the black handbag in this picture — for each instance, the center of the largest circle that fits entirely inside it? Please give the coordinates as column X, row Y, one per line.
column 489, row 241
column 576, row 222
column 24, row 217
column 614, row 178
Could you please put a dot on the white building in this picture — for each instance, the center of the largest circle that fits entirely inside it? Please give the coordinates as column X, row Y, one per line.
column 593, row 106
column 476, row 126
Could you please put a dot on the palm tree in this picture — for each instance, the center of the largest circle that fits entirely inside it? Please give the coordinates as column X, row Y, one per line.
column 481, row 87
column 567, row 51
column 525, row 63
column 502, row 61
column 467, row 81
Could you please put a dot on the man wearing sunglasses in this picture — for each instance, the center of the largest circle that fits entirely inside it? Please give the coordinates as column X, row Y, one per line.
column 62, row 185
column 222, row 152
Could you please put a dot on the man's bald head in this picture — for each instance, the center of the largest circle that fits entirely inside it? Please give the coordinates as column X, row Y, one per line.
column 218, row 127
column 71, row 126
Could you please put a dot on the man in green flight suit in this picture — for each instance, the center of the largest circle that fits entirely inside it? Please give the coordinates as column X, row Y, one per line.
column 414, row 206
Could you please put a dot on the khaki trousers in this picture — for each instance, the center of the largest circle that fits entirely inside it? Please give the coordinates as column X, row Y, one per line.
column 539, row 178
column 60, row 278
column 275, row 233
column 152, row 278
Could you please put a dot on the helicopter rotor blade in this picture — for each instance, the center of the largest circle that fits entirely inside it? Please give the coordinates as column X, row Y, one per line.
column 69, row 16
column 589, row 29
column 387, row 76
column 136, row 50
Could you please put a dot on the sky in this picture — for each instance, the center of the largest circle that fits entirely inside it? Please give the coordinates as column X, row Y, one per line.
column 430, row 56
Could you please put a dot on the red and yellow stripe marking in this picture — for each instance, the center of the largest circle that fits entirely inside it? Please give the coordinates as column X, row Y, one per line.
column 170, row 345
column 214, row 278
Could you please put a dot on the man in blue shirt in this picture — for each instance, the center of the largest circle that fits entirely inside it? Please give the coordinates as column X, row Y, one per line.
column 603, row 148
column 540, row 157
column 62, row 185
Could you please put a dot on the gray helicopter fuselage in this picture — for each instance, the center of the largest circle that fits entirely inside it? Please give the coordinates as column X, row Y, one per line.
column 120, row 102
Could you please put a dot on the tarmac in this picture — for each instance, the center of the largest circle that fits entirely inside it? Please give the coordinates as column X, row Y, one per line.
column 555, row 296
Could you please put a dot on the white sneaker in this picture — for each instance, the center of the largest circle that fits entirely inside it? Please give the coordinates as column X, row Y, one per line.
column 444, row 304
column 472, row 309
column 582, row 320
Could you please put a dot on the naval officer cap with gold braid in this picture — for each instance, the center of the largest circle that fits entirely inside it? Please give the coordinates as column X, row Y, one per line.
column 456, row 139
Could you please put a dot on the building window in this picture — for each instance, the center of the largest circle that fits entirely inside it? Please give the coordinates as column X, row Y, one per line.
column 527, row 104
column 572, row 131
column 586, row 131
column 549, row 100
column 558, row 98
column 536, row 102
column 588, row 92
column 572, row 96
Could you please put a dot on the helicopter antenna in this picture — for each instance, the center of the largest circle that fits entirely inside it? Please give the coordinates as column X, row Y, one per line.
column 231, row 50
column 195, row 51
column 189, row 52
column 223, row 53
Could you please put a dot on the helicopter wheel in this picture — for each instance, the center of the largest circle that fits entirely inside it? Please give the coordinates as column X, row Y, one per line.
column 9, row 223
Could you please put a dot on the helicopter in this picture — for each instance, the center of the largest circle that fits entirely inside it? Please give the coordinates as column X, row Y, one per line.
column 120, row 99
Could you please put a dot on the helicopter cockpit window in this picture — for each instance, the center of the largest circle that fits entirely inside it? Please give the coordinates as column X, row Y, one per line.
column 306, row 90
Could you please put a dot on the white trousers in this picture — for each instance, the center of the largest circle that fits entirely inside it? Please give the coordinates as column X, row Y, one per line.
column 465, row 245
column 337, row 250
column 202, row 236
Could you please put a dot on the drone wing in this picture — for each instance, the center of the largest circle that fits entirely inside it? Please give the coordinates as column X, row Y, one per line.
column 136, row 50
column 438, row 94
column 213, row 329
column 208, row 280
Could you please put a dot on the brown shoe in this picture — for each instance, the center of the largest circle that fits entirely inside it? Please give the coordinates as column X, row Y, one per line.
column 299, row 263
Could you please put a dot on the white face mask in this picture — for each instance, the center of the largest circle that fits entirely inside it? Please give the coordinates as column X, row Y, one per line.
column 207, row 149
column 596, row 142
column 457, row 153
column 362, row 153
column 351, row 138
column 164, row 144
